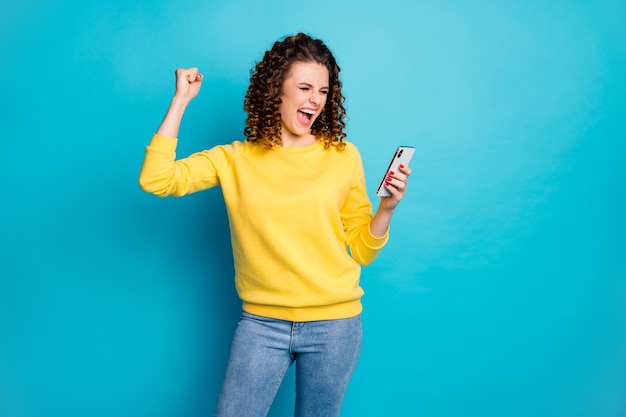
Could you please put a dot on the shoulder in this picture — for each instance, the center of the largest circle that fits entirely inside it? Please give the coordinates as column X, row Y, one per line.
column 233, row 148
column 350, row 151
column 350, row 147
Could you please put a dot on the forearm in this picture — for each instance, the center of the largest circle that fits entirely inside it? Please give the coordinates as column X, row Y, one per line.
column 171, row 122
column 381, row 221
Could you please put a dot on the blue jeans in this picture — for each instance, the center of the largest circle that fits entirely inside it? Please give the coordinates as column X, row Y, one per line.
column 325, row 352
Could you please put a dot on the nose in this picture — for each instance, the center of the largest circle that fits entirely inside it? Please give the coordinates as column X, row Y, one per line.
column 316, row 98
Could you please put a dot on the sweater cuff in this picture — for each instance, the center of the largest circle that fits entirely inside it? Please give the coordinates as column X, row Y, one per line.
column 163, row 143
column 374, row 242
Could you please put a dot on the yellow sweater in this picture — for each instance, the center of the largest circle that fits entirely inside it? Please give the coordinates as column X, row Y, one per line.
column 293, row 213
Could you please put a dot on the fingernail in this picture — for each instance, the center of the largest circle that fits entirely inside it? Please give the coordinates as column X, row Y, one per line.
column 401, row 166
column 388, row 179
column 392, row 173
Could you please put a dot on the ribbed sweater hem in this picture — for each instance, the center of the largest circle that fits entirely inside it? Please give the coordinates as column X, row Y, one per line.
column 303, row 314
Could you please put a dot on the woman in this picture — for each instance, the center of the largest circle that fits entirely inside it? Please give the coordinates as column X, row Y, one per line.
column 301, row 226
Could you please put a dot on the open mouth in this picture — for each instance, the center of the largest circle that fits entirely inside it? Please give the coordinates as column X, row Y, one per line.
column 305, row 116
column 307, row 113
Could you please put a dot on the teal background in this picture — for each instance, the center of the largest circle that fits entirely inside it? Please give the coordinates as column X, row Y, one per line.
column 501, row 293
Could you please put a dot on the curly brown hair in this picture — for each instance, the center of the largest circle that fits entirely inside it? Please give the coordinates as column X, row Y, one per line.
column 263, row 124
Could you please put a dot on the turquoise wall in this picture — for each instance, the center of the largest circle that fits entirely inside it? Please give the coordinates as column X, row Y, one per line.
column 501, row 293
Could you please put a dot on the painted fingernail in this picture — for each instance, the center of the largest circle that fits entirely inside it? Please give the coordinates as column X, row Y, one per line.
column 388, row 179
column 401, row 166
column 391, row 173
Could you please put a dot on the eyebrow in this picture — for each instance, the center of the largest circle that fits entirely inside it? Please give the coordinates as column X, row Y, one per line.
column 310, row 85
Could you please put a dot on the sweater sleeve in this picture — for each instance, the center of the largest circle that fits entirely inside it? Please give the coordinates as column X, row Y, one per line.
column 357, row 214
column 161, row 174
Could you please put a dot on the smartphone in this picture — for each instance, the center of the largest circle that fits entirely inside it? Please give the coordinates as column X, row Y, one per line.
column 402, row 156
